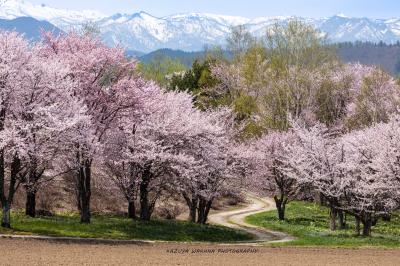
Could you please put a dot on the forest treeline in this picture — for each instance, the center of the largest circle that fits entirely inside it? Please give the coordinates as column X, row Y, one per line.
column 380, row 54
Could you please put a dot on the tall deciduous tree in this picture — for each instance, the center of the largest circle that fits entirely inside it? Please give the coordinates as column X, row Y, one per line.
column 14, row 62
column 50, row 113
column 314, row 161
column 101, row 75
column 355, row 172
column 269, row 161
column 37, row 105
column 141, row 152
column 215, row 168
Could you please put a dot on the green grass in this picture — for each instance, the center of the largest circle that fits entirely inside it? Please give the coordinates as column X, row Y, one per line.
column 309, row 223
column 115, row 227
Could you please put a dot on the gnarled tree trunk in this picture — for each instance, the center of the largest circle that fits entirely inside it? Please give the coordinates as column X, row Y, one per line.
column 281, row 206
column 145, row 205
column 342, row 220
column 203, row 210
column 191, row 202
column 84, row 190
column 131, row 210
column 333, row 217
column 367, row 224
column 30, row 206
column 7, row 201
column 31, row 189
column 5, row 221
column 358, row 228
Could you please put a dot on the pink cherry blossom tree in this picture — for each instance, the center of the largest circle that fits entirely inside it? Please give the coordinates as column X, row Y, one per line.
column 14, row 61
column 37, row 105
column 348, row 170
column 141, row 153
column 167, row 145
column 216, row 168
column 105, row 82
column 314, row 161
column 50, row 110
column 370, row 187
column 268, row 159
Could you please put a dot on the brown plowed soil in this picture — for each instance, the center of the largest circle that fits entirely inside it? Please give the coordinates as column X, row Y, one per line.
column 35, row 252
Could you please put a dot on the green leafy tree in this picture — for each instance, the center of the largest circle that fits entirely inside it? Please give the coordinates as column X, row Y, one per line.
column 159, row 68
column 294, row 53
column 274, row 78
column 198, row 80
column 376, row 100
column 297, row 44
column 239, row 40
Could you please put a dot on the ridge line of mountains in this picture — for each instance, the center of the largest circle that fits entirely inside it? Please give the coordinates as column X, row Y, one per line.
column 188, row 32
column 182, row 36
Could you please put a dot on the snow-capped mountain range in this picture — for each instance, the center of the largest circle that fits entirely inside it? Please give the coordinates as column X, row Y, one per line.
column 191, row 31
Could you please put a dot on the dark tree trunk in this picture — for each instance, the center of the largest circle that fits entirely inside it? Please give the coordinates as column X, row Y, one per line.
column 387, row 217
column 358, row 228
column 367, row 228
column 200, row 211
column 191, row 202
column 84, row 190
column 192, row 212
column 31, row 190
column 342, row 220
column 6, row 202
column 131, row 210
column 30, row 207
column 333, row 217
column 367, row 224
column 203, row 210
column 2, row 187
column 5, row 221
column 207, row 211
column 281, row 213
column 85, row 212
column 145, row 206
column 319, row 198
column 281, row 207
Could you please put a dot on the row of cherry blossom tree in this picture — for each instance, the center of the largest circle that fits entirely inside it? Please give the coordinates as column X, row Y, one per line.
column 299, row 129
column 69, row 104
column 313, row 128
column 355, row 170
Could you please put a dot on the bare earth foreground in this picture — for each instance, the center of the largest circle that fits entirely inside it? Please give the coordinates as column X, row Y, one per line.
column 40, row 252
column 34, row 252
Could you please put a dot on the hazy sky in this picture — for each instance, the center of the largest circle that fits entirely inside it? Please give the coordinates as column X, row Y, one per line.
column 246, row 8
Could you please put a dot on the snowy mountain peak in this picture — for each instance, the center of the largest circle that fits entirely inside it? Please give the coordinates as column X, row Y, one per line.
column 191, row 31
column 12, row 1
column 341, row 15
column 11, row 9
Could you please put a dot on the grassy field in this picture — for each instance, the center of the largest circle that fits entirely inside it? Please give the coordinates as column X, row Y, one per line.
column 114, row 227
column 309, row 223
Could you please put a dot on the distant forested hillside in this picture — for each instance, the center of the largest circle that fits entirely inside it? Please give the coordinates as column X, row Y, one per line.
column 386, row 56
column 381, row 54
column 186, row 58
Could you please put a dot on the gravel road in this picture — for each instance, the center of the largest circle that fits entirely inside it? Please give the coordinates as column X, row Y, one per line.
column 236, row 219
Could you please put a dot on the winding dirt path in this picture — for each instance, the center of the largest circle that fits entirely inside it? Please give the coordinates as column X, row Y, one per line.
column 236, row 219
